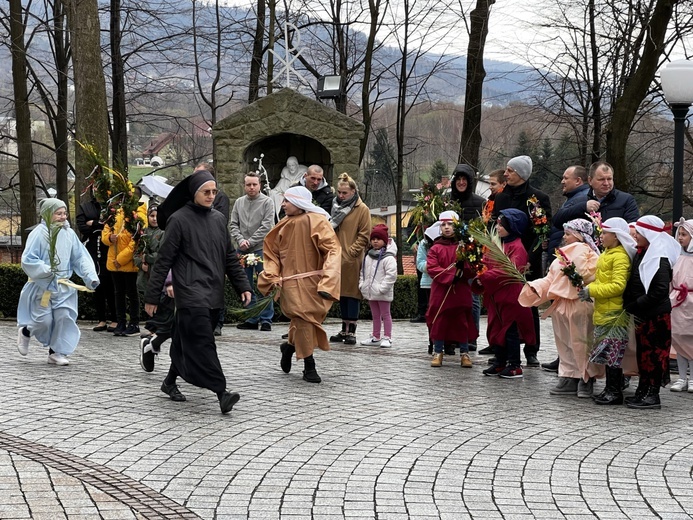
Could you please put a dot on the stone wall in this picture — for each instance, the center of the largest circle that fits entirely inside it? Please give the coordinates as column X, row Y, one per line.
column 279, row 125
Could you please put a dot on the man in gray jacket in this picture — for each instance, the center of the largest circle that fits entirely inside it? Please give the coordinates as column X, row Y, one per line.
column 252, row 218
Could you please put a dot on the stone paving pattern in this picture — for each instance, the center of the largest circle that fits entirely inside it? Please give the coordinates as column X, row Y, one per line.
column 385, row 436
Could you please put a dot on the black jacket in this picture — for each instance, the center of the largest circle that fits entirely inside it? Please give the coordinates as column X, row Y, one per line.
column 574, row 207
column 197, row 249
column 516, row 197
column 470, row 202
column 655, row 301
column 91, row 235
column 222, row 204
column 617, row 204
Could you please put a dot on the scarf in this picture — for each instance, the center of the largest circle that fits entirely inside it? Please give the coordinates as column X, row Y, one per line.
column 341, row 208
column 662, row 245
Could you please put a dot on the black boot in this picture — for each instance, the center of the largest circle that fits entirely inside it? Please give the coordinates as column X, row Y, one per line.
column 287, row 353
column 640, row 392
column 613, row 394
column 340, row 336
column 649, row 401
column 450, row 347
column 309, row 372
column 351, row 335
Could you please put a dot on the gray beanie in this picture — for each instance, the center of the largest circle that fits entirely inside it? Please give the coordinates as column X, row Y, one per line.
column 522, row 164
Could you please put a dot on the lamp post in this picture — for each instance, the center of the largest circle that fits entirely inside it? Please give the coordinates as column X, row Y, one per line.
column 677, row 84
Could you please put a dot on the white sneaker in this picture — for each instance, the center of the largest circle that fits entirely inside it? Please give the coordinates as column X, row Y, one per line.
column 385, row 343
column 58, row 359
column 690, row 386
column 679, row 386
column 372, row 342
column 22, row 342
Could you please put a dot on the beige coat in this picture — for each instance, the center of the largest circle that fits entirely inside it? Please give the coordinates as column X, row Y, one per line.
column 354, row 234
column 296, row 246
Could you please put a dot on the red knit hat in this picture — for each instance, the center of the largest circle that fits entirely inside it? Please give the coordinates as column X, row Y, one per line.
column 380, row 231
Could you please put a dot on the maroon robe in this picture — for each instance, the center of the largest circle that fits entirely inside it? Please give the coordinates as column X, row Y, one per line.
column 501, row 298
column 449, row 316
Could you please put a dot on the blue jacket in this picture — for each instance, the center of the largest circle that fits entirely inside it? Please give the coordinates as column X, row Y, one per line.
column 421, row 256
column 574, row 207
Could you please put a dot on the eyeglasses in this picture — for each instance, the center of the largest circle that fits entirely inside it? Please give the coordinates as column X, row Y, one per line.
column 207, row 193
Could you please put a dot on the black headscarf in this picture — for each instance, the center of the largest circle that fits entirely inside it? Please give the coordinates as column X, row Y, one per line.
column 181, row 194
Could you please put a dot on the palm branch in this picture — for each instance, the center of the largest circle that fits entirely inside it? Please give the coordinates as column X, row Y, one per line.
column 260, row 305
column 494, row 252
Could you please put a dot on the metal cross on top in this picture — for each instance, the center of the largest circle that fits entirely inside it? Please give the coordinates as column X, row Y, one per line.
column 291, row 54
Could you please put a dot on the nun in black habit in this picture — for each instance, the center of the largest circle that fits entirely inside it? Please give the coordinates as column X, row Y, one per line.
column 197, row 249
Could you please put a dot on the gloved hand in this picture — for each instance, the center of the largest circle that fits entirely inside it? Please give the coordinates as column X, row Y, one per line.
column 584, row 294
column 459, row 264
column 458, row 275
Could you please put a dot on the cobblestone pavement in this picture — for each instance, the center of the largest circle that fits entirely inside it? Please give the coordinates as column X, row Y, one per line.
column 384, row 436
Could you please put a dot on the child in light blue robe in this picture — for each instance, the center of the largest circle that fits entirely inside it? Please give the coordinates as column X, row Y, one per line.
column 47, row 305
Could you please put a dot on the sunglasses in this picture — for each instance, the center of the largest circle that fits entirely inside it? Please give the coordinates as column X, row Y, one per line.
column 207, row 193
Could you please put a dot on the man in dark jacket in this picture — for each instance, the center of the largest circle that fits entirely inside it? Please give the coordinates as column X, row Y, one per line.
column 197, row 249
column 609, row 201
column 314, row 180
column 575, row 188
column 516, row 195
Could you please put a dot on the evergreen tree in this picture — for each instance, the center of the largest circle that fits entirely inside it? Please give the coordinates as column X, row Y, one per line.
column 438, row 170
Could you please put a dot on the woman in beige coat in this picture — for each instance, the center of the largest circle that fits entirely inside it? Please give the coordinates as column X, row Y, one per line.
column 351, row 220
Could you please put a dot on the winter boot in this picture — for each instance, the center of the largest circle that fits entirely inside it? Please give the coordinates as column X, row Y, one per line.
column 437, row 360
column 640, row 392
column 287, row 353
column 340, row 336
column 309, row 372
column 351, row 334
column 613, row 395
column 649, row 401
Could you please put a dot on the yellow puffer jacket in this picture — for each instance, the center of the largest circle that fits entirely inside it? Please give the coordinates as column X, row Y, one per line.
column 124, row 248
column 613, row 271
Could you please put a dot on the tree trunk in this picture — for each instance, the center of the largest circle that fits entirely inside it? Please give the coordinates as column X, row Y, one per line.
column 27, row 182
column 91, row 109
column 61, row 43
column 626, row 106
column 256, row 61
column 470, row 142
column 374, row 9
column 401, row 124
column 119, row 133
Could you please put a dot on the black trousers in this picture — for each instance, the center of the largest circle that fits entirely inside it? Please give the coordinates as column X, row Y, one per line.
column 125, row 286
column 422, row 296
column 104, row 295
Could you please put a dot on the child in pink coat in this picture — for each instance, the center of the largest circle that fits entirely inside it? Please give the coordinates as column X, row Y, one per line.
column 682, row 307
column 570, row 317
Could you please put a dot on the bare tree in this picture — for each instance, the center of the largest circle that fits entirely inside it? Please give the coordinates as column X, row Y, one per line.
column 21, row 104
column 470, row 141
column 418, row 24
column 91, row 109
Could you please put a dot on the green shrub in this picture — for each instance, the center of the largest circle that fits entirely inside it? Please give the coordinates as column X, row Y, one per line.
column 12, row 279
